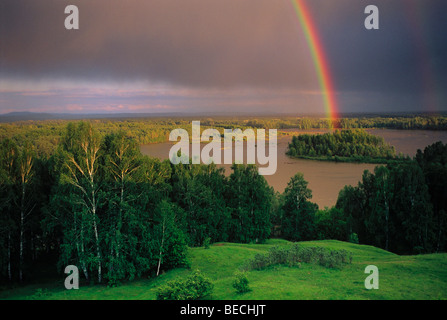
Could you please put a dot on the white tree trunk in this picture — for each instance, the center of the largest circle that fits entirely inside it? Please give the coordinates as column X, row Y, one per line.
column 9, row 257
column 84, row 268
column 161, row 247
column 22, row 218
column 98, row 252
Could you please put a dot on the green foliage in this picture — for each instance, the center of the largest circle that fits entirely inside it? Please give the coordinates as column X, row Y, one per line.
column 196, row 286
column 354, row 238
column 206, row 242
column 240, row 282
column 111, row 206
column 168, row 240
column 199, row 190
column 332, row 224
column 249, row 202
column 119, row 215
column 40, row 294
column 297, row 212
column 416, row 277
column 22, row 199
column 391, row 209
column 433, row 162
column 95, row 201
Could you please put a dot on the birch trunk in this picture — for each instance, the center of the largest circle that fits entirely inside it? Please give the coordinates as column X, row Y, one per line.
column 95, row 230
column 387, row 210
column 161, row 247
column 9, row 257
column 84, row 267
column 22, row 224
column 21, row 248
column 98, row 252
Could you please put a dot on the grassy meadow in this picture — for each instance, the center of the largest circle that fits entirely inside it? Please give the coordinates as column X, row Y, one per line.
column 418, row 277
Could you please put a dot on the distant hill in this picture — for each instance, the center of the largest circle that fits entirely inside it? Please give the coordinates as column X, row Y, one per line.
column 23, row 116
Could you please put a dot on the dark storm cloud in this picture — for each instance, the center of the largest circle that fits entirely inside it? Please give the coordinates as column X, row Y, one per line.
column 233, row 43
column 194, row 43
column 388, row 59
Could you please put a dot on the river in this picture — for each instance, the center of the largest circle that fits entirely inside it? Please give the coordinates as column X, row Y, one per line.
column 326, row 179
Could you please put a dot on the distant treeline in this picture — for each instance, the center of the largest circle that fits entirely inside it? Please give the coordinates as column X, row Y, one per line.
column 342, row 145
column 390, row 122
column 45, row 135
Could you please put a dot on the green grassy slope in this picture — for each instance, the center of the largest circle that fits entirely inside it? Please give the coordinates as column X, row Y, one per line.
column 400, row 277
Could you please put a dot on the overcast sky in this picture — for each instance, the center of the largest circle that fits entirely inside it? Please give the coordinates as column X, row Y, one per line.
column 206, row 56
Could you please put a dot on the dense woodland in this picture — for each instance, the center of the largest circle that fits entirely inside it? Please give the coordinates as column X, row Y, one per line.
column 342, row 145
column 95, row 201
column 101, row 205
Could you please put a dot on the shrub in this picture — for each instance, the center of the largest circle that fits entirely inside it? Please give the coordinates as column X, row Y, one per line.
column 206, row 242
column 240, row 283
column 293, row 256
column 195, row 286
column 354, row 238
column 40, row 294
column 259, row 261
column 278, row 255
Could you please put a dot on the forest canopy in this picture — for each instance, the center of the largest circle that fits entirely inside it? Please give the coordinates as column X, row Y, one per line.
column 95, row 201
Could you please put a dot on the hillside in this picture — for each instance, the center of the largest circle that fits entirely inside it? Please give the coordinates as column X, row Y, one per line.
column 401, row 277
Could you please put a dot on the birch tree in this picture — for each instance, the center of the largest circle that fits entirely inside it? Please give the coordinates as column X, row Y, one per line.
column 168, row 240
column 81, row 164
column 25, row 202
column 122, row 162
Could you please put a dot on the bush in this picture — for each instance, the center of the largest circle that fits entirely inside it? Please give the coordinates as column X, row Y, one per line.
column 354, row 238
column 40, row 294
column 195, row 286
column 240, row 283
column 295, row 254
column 259, row 261
column 207, row 242
column 278, row 255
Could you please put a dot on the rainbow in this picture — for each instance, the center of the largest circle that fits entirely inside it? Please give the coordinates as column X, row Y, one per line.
column 320, row 61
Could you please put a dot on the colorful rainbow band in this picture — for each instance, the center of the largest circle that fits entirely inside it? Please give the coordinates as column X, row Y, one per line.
column 320, row 62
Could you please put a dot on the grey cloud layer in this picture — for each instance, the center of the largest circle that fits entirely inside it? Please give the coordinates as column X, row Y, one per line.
column 231, row 43
column 194, row 43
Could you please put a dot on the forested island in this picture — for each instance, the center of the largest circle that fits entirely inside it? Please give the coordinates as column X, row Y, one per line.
column 98, row 203
column 343, row 145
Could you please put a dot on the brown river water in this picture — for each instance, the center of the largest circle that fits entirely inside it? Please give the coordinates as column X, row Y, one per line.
column 326, row 179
